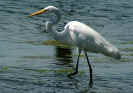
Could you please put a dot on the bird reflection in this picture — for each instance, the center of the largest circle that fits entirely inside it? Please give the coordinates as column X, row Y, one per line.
column 63, row 56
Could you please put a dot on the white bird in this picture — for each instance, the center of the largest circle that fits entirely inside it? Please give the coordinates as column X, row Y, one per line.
column 80, row 35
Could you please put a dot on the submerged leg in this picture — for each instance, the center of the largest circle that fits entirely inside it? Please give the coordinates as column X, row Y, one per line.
column 90, row 69
column 76, row 71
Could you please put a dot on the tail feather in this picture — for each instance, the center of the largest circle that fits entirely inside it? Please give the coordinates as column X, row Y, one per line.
column 112, row 51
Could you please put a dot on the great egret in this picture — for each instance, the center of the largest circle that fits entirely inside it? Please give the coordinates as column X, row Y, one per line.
column 81, row 36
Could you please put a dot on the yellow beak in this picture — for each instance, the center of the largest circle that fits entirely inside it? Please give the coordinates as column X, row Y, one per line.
column 38, row 12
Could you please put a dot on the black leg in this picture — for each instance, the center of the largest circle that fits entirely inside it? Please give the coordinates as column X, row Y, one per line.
column 90, row 68
column 76, row 71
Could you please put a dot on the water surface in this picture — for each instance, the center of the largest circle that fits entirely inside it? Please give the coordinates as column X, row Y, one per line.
column 28, row 64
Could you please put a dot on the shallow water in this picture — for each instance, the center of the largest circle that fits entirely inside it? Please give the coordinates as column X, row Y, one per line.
column 29, row 64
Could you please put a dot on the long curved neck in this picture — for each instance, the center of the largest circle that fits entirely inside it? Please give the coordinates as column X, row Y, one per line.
column 57, row 19
column 50, row 26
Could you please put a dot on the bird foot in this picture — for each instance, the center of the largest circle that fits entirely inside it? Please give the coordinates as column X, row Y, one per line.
column 91, row 84
column 72, row 74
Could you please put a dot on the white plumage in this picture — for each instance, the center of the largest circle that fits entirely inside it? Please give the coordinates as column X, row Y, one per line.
column 79, row 35
column 86, row 38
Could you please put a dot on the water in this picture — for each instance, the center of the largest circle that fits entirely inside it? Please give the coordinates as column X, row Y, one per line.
column 27, row 64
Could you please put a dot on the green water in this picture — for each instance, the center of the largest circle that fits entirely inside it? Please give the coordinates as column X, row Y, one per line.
column 31, row 62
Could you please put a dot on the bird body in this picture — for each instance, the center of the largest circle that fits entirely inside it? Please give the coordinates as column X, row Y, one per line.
column 80, row 35
column 84, row 37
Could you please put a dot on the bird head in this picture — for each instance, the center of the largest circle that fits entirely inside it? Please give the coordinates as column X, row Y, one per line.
column 47, row 9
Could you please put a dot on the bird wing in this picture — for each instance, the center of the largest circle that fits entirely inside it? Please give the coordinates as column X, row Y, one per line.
column 84, row 36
